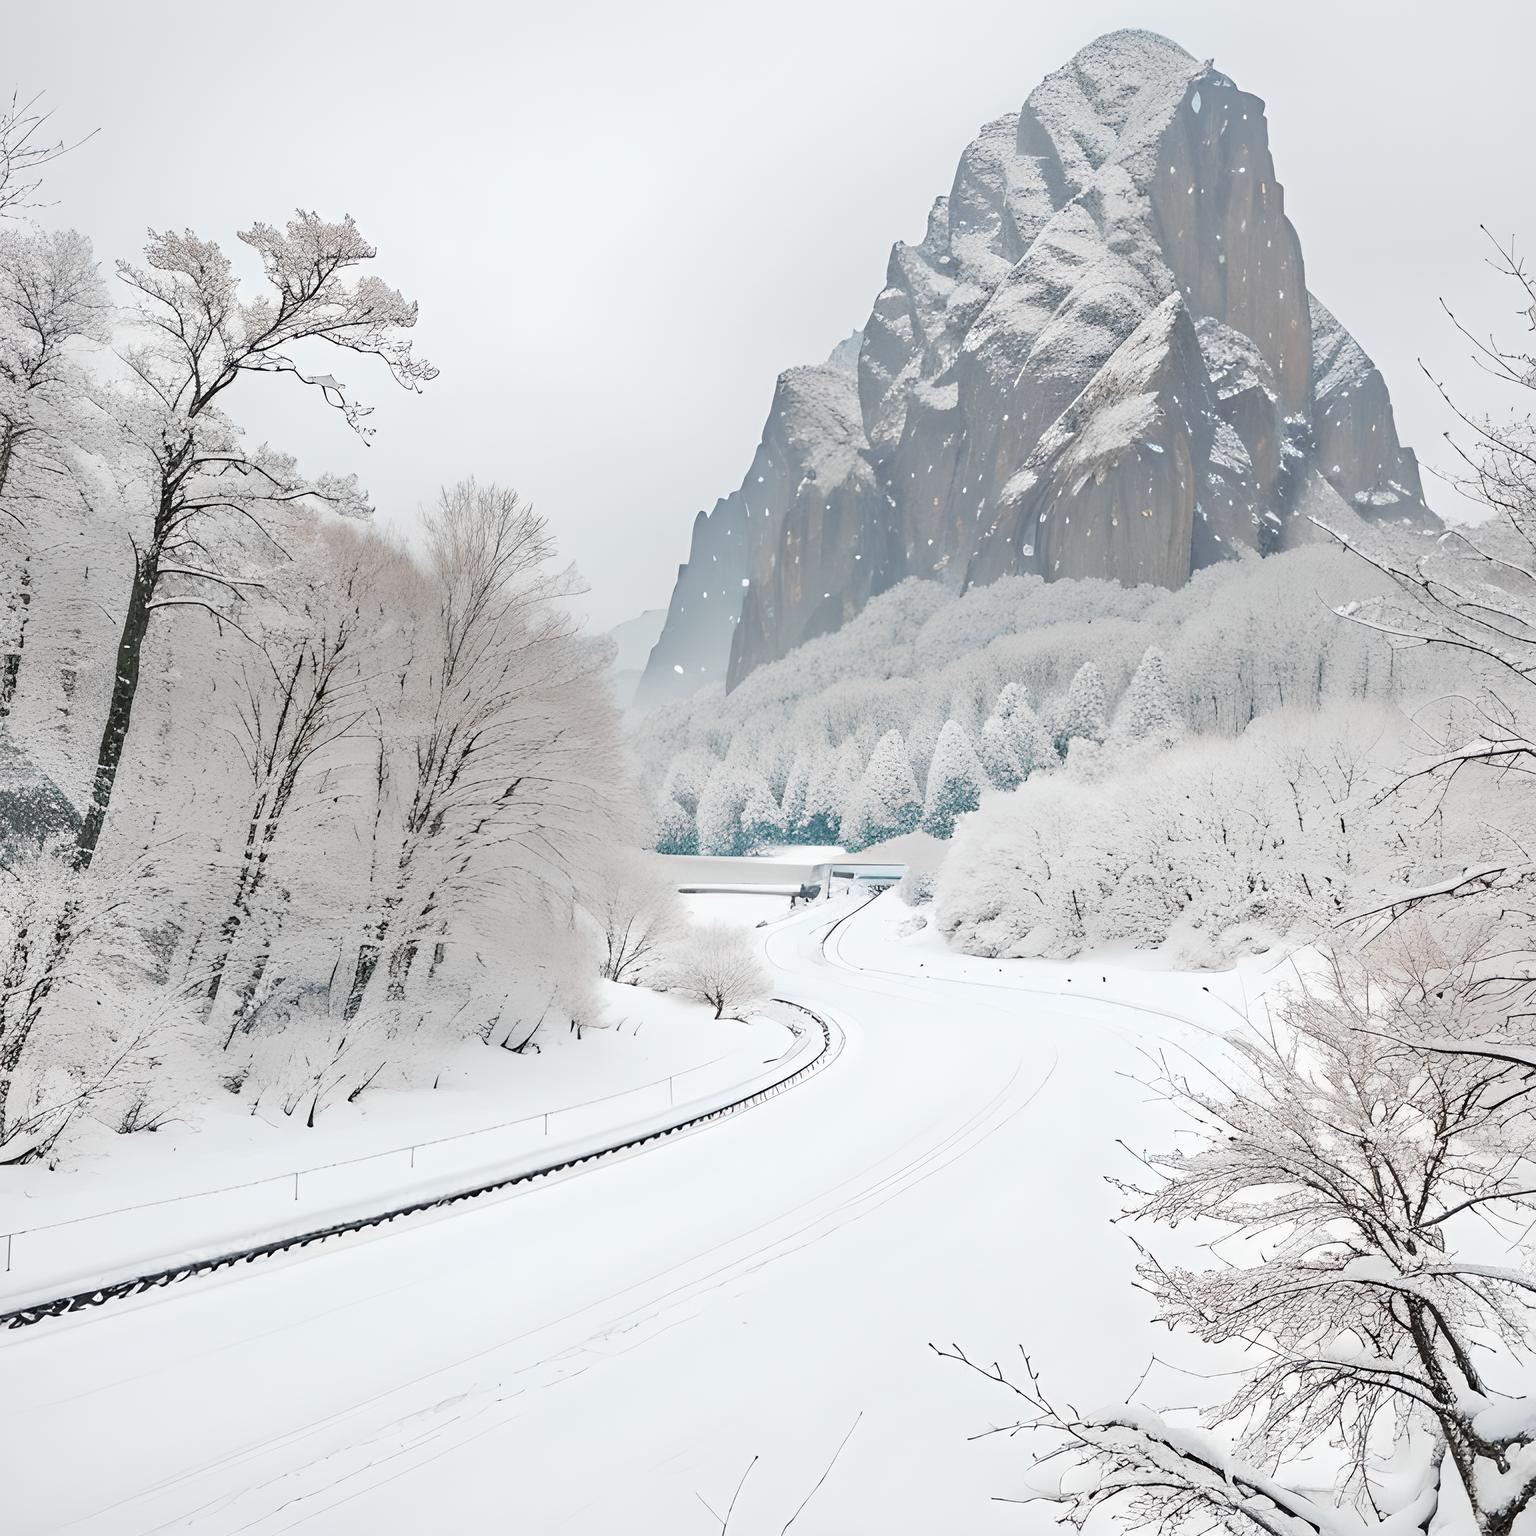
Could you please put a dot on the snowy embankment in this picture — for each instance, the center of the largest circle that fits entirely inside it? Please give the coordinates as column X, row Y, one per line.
column 598, row 1354
column 128, row 1205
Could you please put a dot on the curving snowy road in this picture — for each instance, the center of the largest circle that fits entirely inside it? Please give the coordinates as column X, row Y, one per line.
column 608, row 1354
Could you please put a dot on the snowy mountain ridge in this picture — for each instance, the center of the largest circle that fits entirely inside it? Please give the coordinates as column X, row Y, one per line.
column 1101, row 360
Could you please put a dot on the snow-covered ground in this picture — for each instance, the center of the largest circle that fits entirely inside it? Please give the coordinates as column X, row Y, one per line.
column 122, row 1205
column 600, row 1355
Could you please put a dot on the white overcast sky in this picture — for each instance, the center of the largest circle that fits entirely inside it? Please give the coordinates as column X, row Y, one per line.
column 621, row 220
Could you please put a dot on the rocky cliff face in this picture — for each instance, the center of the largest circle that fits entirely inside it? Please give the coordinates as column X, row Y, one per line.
column 1100, row 360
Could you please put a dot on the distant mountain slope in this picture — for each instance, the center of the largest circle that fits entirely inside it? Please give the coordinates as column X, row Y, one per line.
column 633, row 641
column 1100, row 360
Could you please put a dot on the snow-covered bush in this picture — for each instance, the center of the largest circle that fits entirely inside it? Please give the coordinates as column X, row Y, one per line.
column 94, row 1035
column 638, row 913
column 305, row 1057
column 717, row 966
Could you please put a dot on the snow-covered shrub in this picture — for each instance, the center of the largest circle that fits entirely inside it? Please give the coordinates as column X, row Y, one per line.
column 637, row 913
column 675, row 831
column 305, row 1058
column 717, row 966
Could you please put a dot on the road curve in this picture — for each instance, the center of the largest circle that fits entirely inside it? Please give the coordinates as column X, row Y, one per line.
column 607, row 1353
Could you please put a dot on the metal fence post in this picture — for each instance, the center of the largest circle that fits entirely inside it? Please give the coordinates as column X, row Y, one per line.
column 295, row 1183
column 8, row 1241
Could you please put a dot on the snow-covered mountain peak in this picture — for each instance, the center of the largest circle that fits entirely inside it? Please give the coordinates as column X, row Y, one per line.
column 1105, row 327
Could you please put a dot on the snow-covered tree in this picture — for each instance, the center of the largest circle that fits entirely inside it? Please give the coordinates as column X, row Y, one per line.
column 1358, row 1164
column 1471, row 596
column 205, row 494
column 762, row 821
column 636, row 908
column 1018, row 728
column 51, row 299
column 833, row 783
column 675, row 829
column 1146, row 713
column 995, row 748
column 955, row 781
column 27, row 145
column 718, row 966
column 299, row 695
column 1080, row 711
column 501, row 776
column 737, row 812
column 792, row 809
column 887, row 802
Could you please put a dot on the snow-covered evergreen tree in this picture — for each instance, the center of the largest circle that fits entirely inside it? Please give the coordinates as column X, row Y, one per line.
column 998, row 757
column 737, row 812
column 719, row 815
column 1028, row 742
column 1081, row 710
column 762, row 822
column 792, row 808
column 887, row 802
column 955, row 781
column 1146, row 711
column 833, row 784
column 675, row 830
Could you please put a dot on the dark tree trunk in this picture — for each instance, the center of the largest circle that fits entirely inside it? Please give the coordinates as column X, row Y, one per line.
column 362, row 974
column 244, row 888
column 13, row 1040
column 10, row 663
column 400, row 962
column 125, row 687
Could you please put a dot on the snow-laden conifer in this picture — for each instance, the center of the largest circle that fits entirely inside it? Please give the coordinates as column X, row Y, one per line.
column 887, row 802
column 955, row 781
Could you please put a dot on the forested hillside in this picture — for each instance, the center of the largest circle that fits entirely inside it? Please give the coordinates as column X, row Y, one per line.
column 927, row 700
column 286, row 808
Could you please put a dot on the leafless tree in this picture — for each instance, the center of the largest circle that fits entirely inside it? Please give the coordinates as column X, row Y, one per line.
column 206, row 490
column 1355, row 1159
column 512, row 771
column 305, row 690
column 718, row 966
column 27, row 145
column 208, row 495
column 637, row 909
